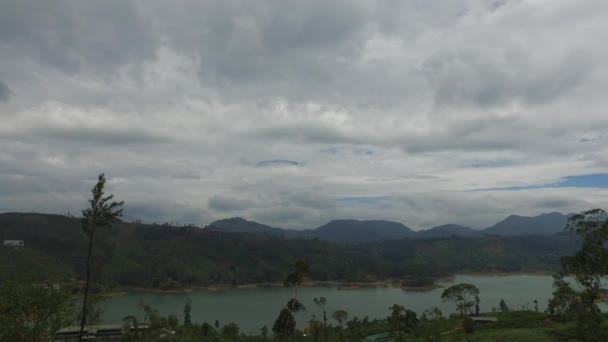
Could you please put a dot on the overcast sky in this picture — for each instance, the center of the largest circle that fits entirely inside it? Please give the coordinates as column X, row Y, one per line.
column 293, row 113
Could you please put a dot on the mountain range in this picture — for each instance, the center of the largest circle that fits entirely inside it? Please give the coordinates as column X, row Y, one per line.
column 351, row 231
column 136, row 254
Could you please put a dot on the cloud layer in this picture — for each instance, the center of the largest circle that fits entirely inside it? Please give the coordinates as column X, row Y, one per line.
column 294, row 113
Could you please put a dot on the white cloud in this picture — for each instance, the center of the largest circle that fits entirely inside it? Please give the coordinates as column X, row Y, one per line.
column 413, row 101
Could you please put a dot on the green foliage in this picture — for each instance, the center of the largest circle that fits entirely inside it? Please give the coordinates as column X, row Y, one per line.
column 206, row 329
column 230, row 330
column 33, row 313
column 463, row 295
column 432, row 324
column 401, row 319
column 187, row 310
column 321, row 302
column 158, row 256
column 264, row 331
column 340, row 316
column 468, row 325
column 101, row 213
column 565, row 301
column 285, row 324
column 589, row 267
column 502, row 306
column 172, row 321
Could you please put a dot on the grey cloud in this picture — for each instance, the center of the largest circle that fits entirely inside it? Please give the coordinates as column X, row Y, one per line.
column 222, row 203
column 100, row 136
column 75, row 36
column 5, row 92
column 310, row 200
column 277, row 162
column 415, row 100
column 482, row 79
column 308, row 132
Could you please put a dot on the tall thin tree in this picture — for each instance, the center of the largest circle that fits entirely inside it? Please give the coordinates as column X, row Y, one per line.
column 102, row 212
column 320, row 302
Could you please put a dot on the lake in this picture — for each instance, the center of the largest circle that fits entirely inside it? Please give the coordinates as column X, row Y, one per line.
column 253, row 307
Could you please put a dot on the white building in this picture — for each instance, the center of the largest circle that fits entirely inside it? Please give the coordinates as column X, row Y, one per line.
column 13, row 243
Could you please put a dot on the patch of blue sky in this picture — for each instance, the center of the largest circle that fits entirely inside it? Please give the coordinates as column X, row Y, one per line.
column 594, row 180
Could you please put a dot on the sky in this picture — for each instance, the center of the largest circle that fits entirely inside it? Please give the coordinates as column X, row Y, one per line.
column 293, row 113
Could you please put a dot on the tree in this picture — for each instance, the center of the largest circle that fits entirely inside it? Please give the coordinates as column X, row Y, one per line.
column 101, row 213
column 293, row 305
column 33, row 313
column 285, row 324
column 402, row 319
column 131, row 321
column 320, row 302
column 502, row 306
column 340, row 316
column 187, row 310
column 463, row 295
column 206, row 329
column 315, row 327
column 230, row 330
column 264, row 331
column 172, row 322
column 296, row 277
column 588, row 267
column 468, row 326
column 432, row 324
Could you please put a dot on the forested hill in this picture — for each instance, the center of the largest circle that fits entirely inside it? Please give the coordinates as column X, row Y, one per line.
column 357, row 231
column 146, row 255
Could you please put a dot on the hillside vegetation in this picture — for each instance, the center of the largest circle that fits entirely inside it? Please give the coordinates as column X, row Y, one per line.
column 158, row 256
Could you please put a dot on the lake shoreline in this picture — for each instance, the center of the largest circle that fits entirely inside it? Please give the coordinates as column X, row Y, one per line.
column 341, row 285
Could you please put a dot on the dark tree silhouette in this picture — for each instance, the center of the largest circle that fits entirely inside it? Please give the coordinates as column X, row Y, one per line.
column 402, row 319
column 503, row 306
column 293, row 305
column 463, row 295
column 589, row 267
column 101, row 213
column 187, row 310
column 320, row 302
column 285, row 324
column 340, row 316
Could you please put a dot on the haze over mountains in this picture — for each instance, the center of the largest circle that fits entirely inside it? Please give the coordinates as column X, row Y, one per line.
column 360, row 231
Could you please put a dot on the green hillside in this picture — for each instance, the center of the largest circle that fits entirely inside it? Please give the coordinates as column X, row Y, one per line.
column 159, row 256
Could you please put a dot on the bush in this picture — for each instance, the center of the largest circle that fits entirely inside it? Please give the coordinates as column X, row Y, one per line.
column 468, row 325
column 230, row 329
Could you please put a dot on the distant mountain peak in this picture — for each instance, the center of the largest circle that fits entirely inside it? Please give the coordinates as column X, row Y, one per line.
column 543, row 224
column 359, row 231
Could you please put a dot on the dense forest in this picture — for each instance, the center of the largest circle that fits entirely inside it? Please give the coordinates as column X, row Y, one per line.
column 164, row 256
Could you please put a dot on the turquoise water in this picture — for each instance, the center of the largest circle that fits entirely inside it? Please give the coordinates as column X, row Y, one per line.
column 252, row 308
